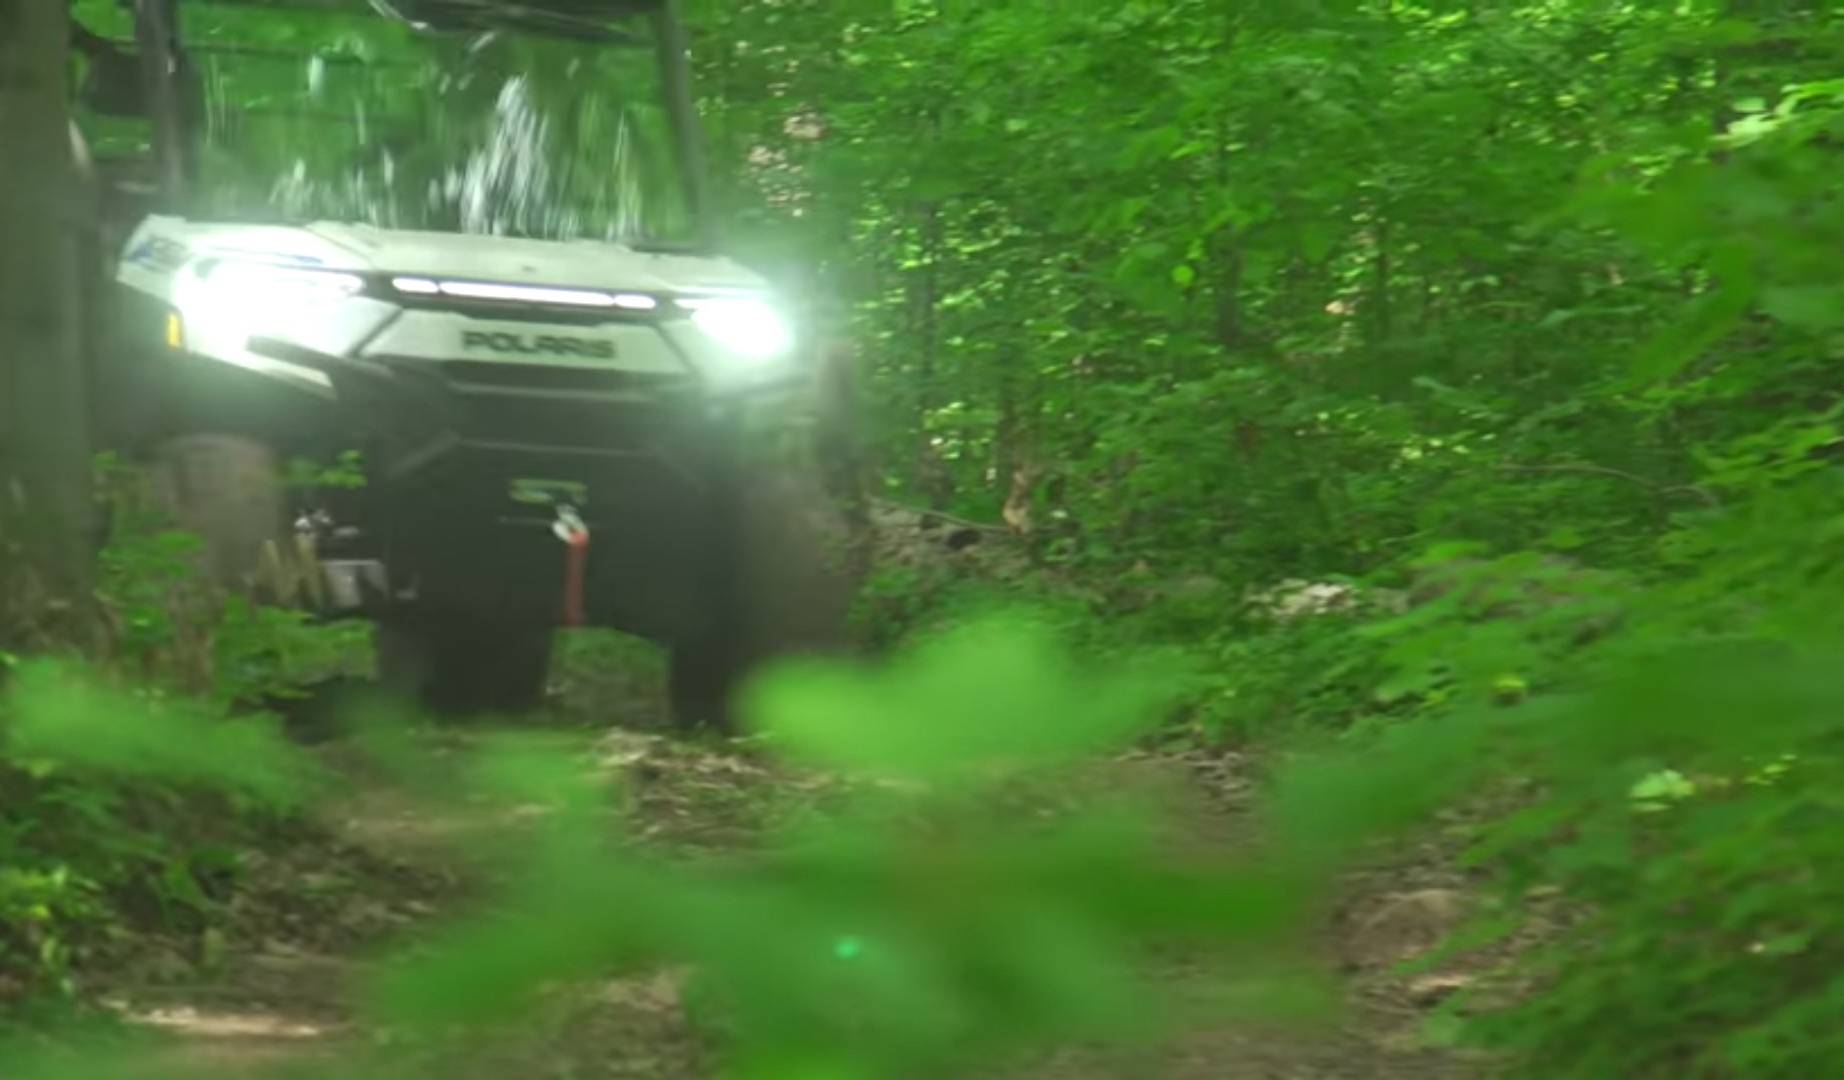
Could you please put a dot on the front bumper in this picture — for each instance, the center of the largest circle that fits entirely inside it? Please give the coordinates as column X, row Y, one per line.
column 456, row 449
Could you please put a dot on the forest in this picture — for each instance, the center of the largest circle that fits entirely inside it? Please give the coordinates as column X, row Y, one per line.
column 1335, row 510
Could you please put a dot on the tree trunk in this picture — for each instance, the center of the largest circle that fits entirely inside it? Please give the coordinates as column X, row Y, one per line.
column 933, row 478
column 46, row 499
column 844, row 456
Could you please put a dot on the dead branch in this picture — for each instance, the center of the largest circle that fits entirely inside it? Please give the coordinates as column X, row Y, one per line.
column 1709, row 497
column 886, row 504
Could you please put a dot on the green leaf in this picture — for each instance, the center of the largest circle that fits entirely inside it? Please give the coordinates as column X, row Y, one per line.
column 1666, row 785
column 998, row 693
column 59, row 713
column 1708, row 320
column 1808, row 307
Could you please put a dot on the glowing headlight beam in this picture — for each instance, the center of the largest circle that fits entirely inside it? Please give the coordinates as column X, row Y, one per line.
column 231, row 297
column 223, row 303
column 743, row 325
column 258, row 277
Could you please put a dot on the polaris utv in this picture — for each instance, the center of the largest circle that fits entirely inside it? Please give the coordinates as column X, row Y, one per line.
column 470, row 243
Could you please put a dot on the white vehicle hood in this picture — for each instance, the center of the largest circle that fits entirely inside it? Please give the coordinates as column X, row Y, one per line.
column 583, row 264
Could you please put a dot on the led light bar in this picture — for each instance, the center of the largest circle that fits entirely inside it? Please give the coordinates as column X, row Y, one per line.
column 528, row 294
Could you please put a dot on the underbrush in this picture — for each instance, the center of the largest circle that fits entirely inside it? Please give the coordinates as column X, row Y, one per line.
column 1666, row 858
column 1672, row 763
column 904, row 928
column 1647, row 763
column 103, row 843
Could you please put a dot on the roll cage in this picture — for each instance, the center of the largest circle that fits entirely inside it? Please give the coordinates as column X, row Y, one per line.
column 154, row 77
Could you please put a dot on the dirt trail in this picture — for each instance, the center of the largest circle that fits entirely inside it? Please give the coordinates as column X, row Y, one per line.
column 274, row 996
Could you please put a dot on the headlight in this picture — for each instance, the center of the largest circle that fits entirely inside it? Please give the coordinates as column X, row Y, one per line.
column 229, row 301
column 742, row 325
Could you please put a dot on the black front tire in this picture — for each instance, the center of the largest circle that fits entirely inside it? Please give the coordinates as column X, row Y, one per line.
column 228, row 490
column 701, row 685
column 457, row 665
column 775, row 587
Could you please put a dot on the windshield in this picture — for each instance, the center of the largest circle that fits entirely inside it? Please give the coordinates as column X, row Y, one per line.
column 331, row 111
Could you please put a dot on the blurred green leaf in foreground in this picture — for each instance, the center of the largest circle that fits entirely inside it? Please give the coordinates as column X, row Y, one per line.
column 977, row 930
column 970, row 933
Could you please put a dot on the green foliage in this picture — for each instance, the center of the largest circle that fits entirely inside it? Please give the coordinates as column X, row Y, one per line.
column 61, row 715
column 903, row 604
column 345, row 473
column 88, row 852
column 1707, row 901
column 1713, row 698
column 974, row 936
column 1312, row 675
column 1213, row 338
column 110, row 822
column 1532, row 308
column 1552, row 280
column 977, row 698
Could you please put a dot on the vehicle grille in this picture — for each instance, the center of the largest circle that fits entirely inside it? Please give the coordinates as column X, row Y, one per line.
column 588, row 425
column 546, row 377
